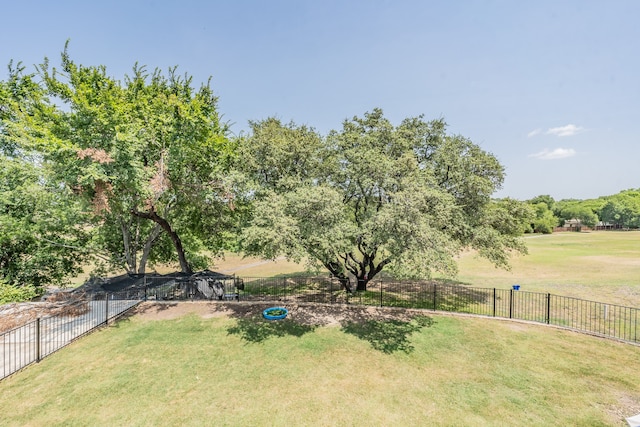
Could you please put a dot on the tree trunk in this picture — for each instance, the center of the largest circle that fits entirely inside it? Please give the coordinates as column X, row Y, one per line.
column 365, row 276
column 177, row 243
column 148, row 244
column 129, row 252
column 337, row 271
column 362, row 283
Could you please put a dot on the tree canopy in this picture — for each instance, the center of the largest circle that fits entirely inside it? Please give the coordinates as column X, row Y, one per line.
column 42, row 234
column 375, row 196
column 148, row 156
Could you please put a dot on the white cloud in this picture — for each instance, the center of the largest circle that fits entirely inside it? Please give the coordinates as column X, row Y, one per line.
column 568, row 130
column 534, row 133
column 558, row 153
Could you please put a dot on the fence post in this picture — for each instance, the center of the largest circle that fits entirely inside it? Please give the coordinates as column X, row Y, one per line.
column 548, row 308
column 494, row 302
column 106, row 308
column 510, row 303
column 380, row 293
column 331, row 290
column 435, row 297
column 38, row 339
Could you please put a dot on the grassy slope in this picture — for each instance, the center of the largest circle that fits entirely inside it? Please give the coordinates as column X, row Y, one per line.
column 194, row 371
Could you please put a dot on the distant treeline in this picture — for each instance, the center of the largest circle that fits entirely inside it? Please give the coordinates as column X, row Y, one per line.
column 620, row 210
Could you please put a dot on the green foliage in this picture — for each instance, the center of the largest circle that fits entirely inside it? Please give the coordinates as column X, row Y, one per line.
column 544, row 220
column 374, row 195
column 149, row 155
column 579, row 210
column 544, row 198
column 40, row 224
column 9, row 293
column 277, row 154
column 622, row 209
column 41, row 236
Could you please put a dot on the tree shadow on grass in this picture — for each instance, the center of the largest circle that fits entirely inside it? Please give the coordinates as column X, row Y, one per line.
column 256, row 329
column 388, row 336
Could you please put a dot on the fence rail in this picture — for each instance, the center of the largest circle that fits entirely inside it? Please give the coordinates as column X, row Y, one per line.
column 606, row 320
column 27, row 344
column 39, row 338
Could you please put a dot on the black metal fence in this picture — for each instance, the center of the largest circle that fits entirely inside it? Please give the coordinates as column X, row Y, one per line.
column 39, row 338
column 606, row 320
column 27, row 344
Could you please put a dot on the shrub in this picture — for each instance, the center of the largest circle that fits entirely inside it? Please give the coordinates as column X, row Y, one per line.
column 9, row 293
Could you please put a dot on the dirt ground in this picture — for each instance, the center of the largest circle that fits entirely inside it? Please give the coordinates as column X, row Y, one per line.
column 304, row 314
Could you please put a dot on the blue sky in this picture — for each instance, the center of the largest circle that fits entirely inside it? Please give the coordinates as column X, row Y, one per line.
column 549, row 87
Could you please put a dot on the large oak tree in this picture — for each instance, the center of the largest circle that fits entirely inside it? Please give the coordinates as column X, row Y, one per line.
column 375, row 196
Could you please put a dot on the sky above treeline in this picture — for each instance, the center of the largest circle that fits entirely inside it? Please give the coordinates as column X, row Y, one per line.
column 549, row 87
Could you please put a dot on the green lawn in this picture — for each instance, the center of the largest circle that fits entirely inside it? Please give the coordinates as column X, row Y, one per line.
column 245, row 371
column 232, row 370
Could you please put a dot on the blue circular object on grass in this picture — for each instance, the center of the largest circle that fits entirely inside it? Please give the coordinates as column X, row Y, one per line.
column 275, row 313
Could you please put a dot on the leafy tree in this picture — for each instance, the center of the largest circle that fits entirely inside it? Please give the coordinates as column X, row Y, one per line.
column 41, row 239
column 42, row 231
column 544, row 220
column 582, row 213
column 614, row 213
column 622, row 209
column 544, row 198
column 149, row 155
column 374, row 196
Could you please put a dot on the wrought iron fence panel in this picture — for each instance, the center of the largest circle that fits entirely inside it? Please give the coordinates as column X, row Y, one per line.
column 27, row 344
column 582, row 315
column 39, row 338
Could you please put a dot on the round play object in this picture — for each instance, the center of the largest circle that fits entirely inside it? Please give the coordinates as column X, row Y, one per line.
column 275, row 313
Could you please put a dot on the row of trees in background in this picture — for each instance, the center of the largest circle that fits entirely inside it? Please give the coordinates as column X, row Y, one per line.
column 123, row 175
column 618, row 211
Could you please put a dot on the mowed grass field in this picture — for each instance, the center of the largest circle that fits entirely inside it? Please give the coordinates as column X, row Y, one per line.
column 601, row 266
column 223, row 370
